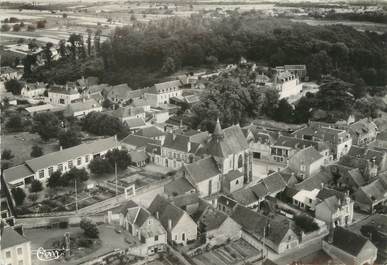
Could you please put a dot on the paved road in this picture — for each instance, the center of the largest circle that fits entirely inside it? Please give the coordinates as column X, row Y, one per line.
column 111, row 240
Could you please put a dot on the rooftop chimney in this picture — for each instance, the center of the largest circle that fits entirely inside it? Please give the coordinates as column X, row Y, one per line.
column 169, row 224
column 157, row 215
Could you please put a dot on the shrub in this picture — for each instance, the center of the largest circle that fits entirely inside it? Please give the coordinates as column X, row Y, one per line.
column 89, row 228
column 36, row 151
column 33, row 197
column 18, row 195
column 36, row 186
column 7, row 154
column 306, row 223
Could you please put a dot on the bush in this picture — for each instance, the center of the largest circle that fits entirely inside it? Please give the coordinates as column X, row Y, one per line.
column 41, row 24
column 16, row 27
column 33, row 197
column 69, row 138
column 36, row 151
column 5, row 28
column 36, row 186
column 306, row 223
column 80, row 175
column 7, row 154
column 100, row 166
column 13, row 86
column 30, row 28
column 18, row 195
column 15, row 123
column 55, row 180
column 89, row 228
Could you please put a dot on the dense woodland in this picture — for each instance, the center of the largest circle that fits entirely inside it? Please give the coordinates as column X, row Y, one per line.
column 143, row 54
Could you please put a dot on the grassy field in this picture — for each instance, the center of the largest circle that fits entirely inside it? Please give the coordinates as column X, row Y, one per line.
column 21, row 143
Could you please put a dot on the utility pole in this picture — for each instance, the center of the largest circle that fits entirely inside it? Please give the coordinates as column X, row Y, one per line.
column 115, row 171
column 76, row 195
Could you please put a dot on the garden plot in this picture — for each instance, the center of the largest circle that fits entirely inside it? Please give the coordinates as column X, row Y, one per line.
column 229, row 254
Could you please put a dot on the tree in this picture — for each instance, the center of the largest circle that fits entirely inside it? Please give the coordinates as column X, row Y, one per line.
column 13, row 86
column 169, row 66
column 284, row 112
column 46, row 125
column 212, row 61
column 121, row 157
column 5, row 28
column 36, row 151
column 15, row 123
column 99, row 166
column 16, row 27
column 30, row 28
column 41, row 24
column 55, row 180
column 102, row 124
column 36, row 186
column 80, row 175
column 18, row 195
column 7, row 154
column 33, row 197
column 69, row 138
column 89, row 31
column 64, row 15
column 89, row 228
column 306, row 223
column 48, row 53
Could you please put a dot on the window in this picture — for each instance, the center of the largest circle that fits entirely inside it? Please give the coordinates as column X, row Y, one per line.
column 175, row 237
column 183, row 236
column 61, row 101
column 41, row 174
column 290, row 238
column 8, row 254
column 156, row 238
column 87, row 158
column 60, row 167
column 50, row 171
column 240, row 161
column 79, row 161
column 19, row 251
column 70, row 163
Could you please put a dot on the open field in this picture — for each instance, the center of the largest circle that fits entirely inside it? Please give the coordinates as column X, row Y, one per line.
column 21, row 143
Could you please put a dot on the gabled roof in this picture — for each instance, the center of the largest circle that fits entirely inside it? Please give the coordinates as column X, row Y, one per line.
column 135, row 122
column 212, row 219
column 16, row 173
column 203, row 169
column 126, row 112
column 327, row 193
column 178, row 186
column 297, row 143
column 245, row 196
column 120, row 91
column 342, row 237
column 64, row 155
column 260, row 190
column 363, row 126
column 373, row 192
column 11, row 238
column 274, row 183
column 232, row 141
column 307, row 155
column 165, row 86
column 232, row 175
column 139, row 141
column 63, row 90
column 166, row 211
column 82, row 106
column 150, row 132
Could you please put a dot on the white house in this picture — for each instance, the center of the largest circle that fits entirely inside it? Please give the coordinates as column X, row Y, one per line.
column 14, row 248
column 161, row 93
column 31, row 90
column 287, row 84
column 59, row 95
column 82, row 108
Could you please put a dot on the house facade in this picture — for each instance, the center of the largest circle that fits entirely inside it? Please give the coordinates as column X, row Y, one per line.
column 62, row 96
column 31, row 90
column 363, row 131
column 306, row 162
column 15, row 248
column 162, row 92
column 180, row 227
column 147, row 229
column 287, row 84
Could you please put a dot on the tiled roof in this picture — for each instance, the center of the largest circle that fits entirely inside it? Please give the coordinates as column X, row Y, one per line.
column 202, row 169
column 260, row 190
column 166, row 85
column 232, row 175
column 63, row 90
column 82, row 106
column 297, row 143
column 327, row 193
column 341, row 238
column 178, row 186
column 233, row 141
column 307, row 155
column 120, row 91
column 135, row 122
column 138, row 156
column 212, row 219
column 244, row 196
column 274, row 183
column 11, row 238
column 224, row 200
column 363, row 126
column 17, row 172
column 126, row 112
column 166, row 211
column 139, row 141
column 71, row 153
column 151, row 131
